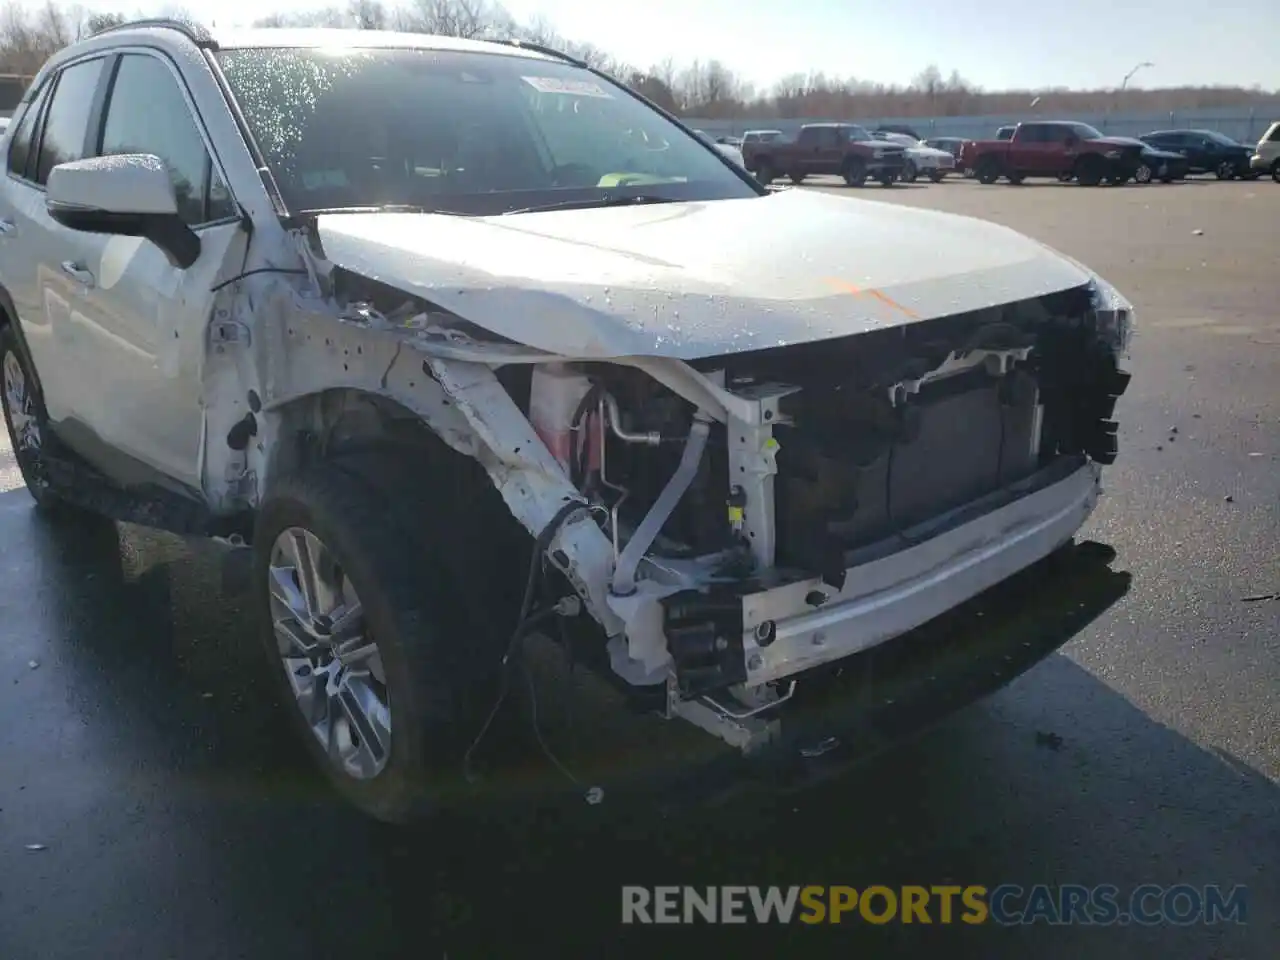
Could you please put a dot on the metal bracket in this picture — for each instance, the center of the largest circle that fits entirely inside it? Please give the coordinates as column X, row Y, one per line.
column 752, row 466
column 228, row 331
column 747, row 733
column 997, row 362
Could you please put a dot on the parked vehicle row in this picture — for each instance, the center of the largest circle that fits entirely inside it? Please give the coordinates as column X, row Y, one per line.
column 1070, row 150
column 1065, row 150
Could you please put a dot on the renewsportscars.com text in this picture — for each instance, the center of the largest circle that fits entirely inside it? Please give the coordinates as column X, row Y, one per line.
column 1004, row 905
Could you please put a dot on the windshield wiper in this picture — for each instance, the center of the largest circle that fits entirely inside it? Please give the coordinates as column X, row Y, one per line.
column 633, row 199
column 383, row 208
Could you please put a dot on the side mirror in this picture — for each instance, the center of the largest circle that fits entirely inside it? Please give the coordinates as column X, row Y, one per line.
column 129, row 195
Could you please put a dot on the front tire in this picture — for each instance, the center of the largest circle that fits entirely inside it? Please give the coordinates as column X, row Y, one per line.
column 1226, row 170
column 988, row 170
column 1275, row 171
column 371, row 654
column 909, row 172
column 936, row 175
column 854, row 173
column 26, row 420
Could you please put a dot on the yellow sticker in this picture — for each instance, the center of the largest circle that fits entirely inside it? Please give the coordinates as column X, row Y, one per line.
column 771, row 444
column 736, row 515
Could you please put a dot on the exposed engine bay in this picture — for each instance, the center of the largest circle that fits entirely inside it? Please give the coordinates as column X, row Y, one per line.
column 844, row 492
column 867, row 445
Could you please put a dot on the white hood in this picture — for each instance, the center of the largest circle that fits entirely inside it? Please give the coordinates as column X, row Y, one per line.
column 691, row 280
column 932, row 153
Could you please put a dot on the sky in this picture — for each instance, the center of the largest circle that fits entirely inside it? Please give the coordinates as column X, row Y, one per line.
column 997, row 44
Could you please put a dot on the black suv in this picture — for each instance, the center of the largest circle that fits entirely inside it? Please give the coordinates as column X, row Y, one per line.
column 1207, row 151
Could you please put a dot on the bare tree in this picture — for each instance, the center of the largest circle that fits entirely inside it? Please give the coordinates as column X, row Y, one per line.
column 327, row 17
column 97, row 22
column 928, row 82
column 458, row 18
column 369, row 14
column 708, row 88
column 653, row 88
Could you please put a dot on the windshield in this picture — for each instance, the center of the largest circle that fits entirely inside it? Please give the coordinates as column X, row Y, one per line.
column 461, row 132
column 1086, row 132
column 855, row 133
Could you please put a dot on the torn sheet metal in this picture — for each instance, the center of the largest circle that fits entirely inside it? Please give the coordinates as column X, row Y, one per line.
column 312, row 350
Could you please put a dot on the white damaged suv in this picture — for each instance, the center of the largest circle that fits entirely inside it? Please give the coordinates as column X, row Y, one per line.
column 426, row 321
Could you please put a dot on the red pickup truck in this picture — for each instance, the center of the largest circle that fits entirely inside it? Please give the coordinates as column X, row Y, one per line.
column 842, row 149
column 1053, row 148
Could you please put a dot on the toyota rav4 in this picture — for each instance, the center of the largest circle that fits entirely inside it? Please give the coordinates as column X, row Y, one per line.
column 362, row 301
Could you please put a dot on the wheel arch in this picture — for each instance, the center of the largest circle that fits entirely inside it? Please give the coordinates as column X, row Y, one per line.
column 337, row 422
column 457, row 433
column 9, row 321
column 415, row 472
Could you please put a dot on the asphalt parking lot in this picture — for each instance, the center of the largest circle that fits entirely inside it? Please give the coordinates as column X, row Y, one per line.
column 175, row 819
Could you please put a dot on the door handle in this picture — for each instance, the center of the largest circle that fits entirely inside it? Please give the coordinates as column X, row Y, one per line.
column 77, row 272
column 6, row 227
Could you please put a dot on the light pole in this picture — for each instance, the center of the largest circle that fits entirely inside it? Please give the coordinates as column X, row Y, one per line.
column 1129, row 76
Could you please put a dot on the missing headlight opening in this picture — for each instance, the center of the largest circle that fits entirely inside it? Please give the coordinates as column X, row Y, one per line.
column 841, row 477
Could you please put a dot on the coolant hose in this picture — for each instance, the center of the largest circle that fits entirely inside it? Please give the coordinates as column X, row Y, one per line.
column 624, row 575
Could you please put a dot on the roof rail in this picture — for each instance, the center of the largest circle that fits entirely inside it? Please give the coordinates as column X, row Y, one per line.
column 194, row 32
column 542, row 49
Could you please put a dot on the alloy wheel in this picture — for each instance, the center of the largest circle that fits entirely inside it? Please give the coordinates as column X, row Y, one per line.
column 22, row 406
column 23, row 409
column 331, row 660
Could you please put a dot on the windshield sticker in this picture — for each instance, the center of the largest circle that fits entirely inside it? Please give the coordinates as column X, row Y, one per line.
column 574, row 88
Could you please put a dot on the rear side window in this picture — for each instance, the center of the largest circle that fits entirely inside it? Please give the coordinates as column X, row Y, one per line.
column 20, row 143
column 147, row 113
column 66, row 124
